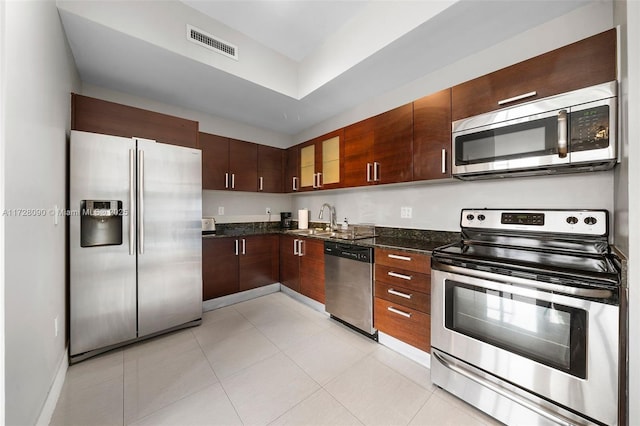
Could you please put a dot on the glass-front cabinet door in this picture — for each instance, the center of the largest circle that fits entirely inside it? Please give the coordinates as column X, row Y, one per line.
column 308, row 167
column 320, row 162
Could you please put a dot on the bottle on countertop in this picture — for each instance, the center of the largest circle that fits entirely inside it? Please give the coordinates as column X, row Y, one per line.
column 345, row 225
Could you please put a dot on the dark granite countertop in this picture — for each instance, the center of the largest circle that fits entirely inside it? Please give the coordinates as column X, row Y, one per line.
column 412, row 240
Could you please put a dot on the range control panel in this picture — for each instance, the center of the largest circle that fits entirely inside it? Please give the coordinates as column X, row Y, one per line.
column 587, row 222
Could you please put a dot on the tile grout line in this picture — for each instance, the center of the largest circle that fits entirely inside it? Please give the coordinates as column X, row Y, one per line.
column 235, row 409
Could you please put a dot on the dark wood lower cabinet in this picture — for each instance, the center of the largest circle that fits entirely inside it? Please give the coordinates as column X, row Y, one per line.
column 289, row 262
column 258, row 261
column 312, row 269
column 406, row 324
column 219, row 268
column 230, row 265
column 302, row 266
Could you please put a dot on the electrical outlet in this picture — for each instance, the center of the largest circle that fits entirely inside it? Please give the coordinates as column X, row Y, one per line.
column 55, row 326
column 406, row 212
column 268, row 210
column 220, row 211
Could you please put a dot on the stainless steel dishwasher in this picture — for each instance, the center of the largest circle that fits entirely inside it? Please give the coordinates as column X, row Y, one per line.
column 348, row 271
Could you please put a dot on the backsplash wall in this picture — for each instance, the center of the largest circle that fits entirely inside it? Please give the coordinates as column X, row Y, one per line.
column 437, row 206
column 244, row 206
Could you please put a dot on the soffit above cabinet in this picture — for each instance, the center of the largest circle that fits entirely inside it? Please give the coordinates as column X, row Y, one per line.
column 295, row 78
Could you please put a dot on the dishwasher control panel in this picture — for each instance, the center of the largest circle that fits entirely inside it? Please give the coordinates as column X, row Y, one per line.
column 348, row 251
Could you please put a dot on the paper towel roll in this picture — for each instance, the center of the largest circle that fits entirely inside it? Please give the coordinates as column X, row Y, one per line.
column 303, row 219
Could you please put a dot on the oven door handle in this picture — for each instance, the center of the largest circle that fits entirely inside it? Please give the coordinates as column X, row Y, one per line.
column 556, row 418
column 522, row 282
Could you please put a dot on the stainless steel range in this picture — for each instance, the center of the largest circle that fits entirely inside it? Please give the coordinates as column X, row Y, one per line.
column 526, row 317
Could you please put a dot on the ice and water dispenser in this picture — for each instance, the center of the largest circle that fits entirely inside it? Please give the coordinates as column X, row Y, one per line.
column 100, row 223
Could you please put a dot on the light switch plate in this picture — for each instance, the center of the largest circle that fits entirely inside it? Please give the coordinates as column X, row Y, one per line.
column 220, row 211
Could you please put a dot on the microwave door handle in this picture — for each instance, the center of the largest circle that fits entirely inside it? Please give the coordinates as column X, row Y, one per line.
column 562, row 134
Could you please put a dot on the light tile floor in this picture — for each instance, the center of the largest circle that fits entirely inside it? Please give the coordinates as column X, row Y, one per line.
column 270, row 360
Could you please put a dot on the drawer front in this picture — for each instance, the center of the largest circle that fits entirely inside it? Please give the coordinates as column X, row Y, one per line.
column 404, row 260
column 403, row 278
column 404, row 297
column 408, row 325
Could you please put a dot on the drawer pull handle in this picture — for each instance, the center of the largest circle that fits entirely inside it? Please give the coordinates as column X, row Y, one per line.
column 397, row 293
column 517, row 98
column 398, row 257
column 401, row 276
column 399, row 312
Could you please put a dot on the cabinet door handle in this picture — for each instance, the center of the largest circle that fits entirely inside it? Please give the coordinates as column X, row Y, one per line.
column 295, row 183
column 398, row 293
column 261, row 181
column 517, row 98
column 319, row 180
column 237, row 248
column 562, row 134
column 244, row 246
column 233, row 181
column 376, row 171
column 368, row 172
column 295, row 247
column 398, row 257
column 226, row 180
column 401, row 276
column 300, row 253
column 399, row 312
column 444, row 161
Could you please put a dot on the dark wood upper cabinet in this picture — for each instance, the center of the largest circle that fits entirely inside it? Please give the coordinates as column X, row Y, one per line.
column 393, row 145
column 110, row 118
column 585, row 63
column 432, row 136
column 270, row 169
column 228, row 163
column 243, row 165
column 358, row 153
column 215, row 161
column 292, row 173
column 379, row 149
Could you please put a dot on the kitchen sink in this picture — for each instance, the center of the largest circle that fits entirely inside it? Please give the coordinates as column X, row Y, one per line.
column 340, row 235
column 310, row 231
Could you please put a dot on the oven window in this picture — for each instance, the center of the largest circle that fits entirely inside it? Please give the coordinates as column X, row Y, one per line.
column 548, row 333
column 528, row 139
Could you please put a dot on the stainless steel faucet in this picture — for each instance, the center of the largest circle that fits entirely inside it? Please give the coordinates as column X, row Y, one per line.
column 333, row 223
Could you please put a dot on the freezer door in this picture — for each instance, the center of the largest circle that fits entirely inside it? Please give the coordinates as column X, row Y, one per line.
column 169, row 236
column 102, row 277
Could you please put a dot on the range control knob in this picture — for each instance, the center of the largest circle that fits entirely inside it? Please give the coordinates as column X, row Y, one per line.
column 481, row 217
column 470, row 217
column 572, row 220
column 590, row 220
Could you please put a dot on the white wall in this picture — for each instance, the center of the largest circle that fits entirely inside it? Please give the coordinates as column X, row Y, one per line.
column 40, row 74
column 2, row 162
column 244, row 206
column 627, row 201
column 437, row 205
column 208, row 123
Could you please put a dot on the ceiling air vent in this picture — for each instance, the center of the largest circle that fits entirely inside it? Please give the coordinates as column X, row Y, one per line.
column 216, row 44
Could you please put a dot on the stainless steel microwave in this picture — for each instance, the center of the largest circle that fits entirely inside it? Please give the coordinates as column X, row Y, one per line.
column 570, row 132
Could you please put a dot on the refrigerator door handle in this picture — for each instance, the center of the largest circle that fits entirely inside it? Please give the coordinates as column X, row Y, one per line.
column 141, row 202
column 132, row 201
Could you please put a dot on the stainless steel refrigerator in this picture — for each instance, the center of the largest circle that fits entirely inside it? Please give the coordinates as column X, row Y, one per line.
column 135, row 242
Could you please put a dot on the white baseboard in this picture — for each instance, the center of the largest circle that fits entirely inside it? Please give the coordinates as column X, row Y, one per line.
column 54, row 392
column 243, row 296
column 421, row 357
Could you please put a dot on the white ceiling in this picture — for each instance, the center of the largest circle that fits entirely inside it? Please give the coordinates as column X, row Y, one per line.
column 293, row 28
column 313, row 59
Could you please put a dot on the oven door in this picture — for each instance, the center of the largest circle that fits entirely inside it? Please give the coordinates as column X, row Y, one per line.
column 562, row 348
